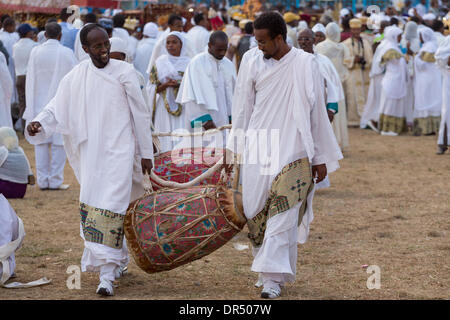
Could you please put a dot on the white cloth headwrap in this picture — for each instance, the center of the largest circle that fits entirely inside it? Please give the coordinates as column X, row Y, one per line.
column 319, row 28
column 443, row 52
column 168, row 65
column 429, row 40
column 429, row 16
column 150, row 30
column 118, row 45
column 333, row 32
column 344, row 12
column 411, row 30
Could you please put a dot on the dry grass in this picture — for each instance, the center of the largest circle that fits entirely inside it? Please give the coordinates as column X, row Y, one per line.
column 388, row 206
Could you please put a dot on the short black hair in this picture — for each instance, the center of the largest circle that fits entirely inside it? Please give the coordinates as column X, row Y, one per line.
column 64, row 15
column 198, row 17
column 437, row 25
column 52, row 30
column 8, row 22
column 394, row 21
column 218, row 35
column 50, row 20
column 85, row 31
column 248, row 27
column 4, row 17
column 90, row 18
column 173, row 18
column 272, row 21
column 118, row 20
column 415, row 19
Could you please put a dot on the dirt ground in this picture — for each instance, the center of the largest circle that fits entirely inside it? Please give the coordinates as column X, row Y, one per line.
column 388, row 206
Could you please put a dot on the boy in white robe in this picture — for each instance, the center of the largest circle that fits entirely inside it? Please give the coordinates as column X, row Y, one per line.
column 443, row 60
column 102, row 115
column 207, row 88
column 49, row 63
column 6, row 92
column 198, row 36
column 427, row 86
column 279, row 92
column 145, row 48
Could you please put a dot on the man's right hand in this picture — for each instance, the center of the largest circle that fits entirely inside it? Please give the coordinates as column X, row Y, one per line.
column 33, row 128
column 209, row 125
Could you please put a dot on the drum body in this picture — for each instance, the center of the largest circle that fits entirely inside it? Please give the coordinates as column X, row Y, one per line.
column 171, row 227
column 183, row 165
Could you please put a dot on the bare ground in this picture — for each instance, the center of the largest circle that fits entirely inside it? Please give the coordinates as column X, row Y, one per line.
column 388, row 206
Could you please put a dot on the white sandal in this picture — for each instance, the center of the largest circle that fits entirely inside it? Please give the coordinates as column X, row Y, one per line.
column 270, row 293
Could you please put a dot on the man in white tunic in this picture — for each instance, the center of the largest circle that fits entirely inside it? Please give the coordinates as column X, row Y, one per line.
column 198, row 36
column 119, row 31
column 278, row 92
column 6, row 91
column 207, row 88
column 101, row 113
column 443, row 60
column 80, row 54
column 9, row 37
column 49, row 63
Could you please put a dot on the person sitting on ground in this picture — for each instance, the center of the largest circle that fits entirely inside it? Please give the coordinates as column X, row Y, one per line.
column 15, row 171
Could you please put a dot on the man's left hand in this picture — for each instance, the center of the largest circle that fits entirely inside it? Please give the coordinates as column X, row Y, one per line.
column 319, row 171
column 330, row 115
column 147, row 166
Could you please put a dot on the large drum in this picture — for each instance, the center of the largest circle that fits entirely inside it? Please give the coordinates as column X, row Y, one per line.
column 186, row 164
column 171, row 227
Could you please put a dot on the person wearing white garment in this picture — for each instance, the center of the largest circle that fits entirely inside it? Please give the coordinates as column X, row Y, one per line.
column 337, row 53
column 119, row 31
column 145, row 49
column 198, row 36
column 175, row 23
column 80, row 54
column 279, row 93
column 443, row 61
column 410, row 46
column 319, row 33
column 9, row 232
column 207, row 88
column 101, row 113
column 332, row 87
column 9, row 37
column 49, row 63
column 21, row 56
column 393, row 85
column 165, row 79
column 427, row 86
column 6, row 92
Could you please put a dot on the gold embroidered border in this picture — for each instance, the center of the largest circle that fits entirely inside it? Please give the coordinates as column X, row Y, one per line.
column 426, row 125
column 427, row 57
column 391, row 123
column 291, row 186
column 102, row 226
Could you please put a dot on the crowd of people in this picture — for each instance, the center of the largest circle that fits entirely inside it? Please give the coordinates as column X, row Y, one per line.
column 94, row 95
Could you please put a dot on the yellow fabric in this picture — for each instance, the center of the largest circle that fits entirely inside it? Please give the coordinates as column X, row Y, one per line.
column 427, row 57
column 355, row 23
column 393, row 124
column 391, row 54
column 289, row 17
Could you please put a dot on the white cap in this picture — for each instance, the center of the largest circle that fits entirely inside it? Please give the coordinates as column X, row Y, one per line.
column 344, row 12
column 150, row 30
column 118, row 45
column 429, row 16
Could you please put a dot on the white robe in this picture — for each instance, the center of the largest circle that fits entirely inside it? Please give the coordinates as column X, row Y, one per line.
column 48, row 64
column 198, row 38
column 100, row 125
column 445, row 116
column 335, row 94
column 285, row 97
column 78, row 50
column 166, row 69
column 144, row 52
column 9, row 231
column 9, row 39
column 6, row 92
column 206, row 93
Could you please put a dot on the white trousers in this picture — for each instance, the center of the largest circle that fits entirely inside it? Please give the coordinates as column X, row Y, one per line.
column 276, row 258
column 50, row 162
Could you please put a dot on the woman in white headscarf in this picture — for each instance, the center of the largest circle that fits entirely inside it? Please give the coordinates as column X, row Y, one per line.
column 145, row 48
column 427, row 86
column 319, row 33
column 410, row 46
column 165, row 79
column 15, row 171
column 394, row 84
column 443, row 61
